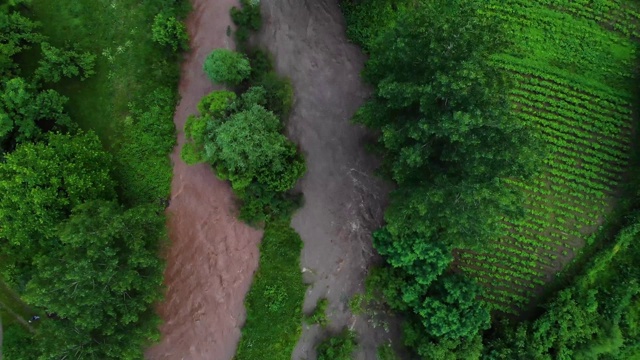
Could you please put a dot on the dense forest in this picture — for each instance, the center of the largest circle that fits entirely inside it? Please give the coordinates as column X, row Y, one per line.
column 495, row 185
column 82, row 226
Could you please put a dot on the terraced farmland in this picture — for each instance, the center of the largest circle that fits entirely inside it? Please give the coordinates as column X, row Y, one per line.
column 572, row 64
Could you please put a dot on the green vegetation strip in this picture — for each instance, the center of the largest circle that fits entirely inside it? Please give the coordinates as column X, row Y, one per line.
column 274, row 311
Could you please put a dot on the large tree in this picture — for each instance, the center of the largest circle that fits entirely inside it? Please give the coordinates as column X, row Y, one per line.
column 40, row 184
column 101, row 277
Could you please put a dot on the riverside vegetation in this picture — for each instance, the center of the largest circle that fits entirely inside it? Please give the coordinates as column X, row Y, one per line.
column 85, row 132
column 507, row 130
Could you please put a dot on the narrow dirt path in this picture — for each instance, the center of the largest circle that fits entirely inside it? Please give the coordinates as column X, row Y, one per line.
column 213, row 256
column 343, row 200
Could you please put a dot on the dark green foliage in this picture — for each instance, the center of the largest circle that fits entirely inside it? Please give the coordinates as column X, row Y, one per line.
column 451, row 309
column 25, row 111
column 142, row 136
column 244, row 143
column 41, row 183
column 424, row 263
column 339, row 347
column 259, row 203
column 109, row 258
column 249, row 147
column 227, row 67
column 17, row 33
column 444, row 116
column 170, row 32
column 279, row 92
column 448, row 140
column 17, row 344
column 368, row 19
column 247, row 19
column 59, row 192
column 464, row 214
column 93, row 262
column 386, row 352
column 274, row 310
column 58, row 63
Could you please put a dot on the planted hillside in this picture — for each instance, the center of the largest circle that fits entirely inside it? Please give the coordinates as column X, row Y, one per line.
column 595, row 318
column 508, row 156
column 573, row 80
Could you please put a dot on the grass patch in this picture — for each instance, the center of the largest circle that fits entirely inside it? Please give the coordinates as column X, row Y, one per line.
column 130, row 100
column 10, row 305
column 274, row 311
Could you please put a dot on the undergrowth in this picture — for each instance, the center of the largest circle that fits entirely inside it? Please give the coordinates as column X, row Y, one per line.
column 274, row 311
column 338, row 347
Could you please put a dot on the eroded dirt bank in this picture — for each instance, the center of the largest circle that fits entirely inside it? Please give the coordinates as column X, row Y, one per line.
column 212, row 256
column 343, row 200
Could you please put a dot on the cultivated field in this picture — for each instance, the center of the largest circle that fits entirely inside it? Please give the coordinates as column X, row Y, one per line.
column 572, row 64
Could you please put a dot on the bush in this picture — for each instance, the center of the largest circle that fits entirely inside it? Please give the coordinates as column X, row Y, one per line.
column 57, row 63
column 169, row 31
column 279, row 93
column 357, row 304
column 339, row 347
column 319, row 314
column 227, row 67
column 247, row 19
column 385, row 352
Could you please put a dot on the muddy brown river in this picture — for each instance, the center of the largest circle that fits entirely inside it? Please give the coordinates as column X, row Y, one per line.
column 213, row 256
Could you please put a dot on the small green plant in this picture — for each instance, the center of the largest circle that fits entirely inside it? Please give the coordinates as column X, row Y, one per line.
column 385, row 352
column 227, row 67
column 169, row 31
column 339, row 347
column 357, row 304
column 319, row 314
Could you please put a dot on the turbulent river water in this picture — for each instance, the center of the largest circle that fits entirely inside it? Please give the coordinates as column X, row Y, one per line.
column 213, row 256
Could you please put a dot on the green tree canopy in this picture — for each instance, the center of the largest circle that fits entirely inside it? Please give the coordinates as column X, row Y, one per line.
column 227, row 67
column 24, row 111
column 101, row 276
column 249, row 147
column 40, row 184
column 57, row 63
column 17, row 33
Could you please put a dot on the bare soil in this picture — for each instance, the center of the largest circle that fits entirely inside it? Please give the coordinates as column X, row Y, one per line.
column 344, row 201
column 213, row 256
